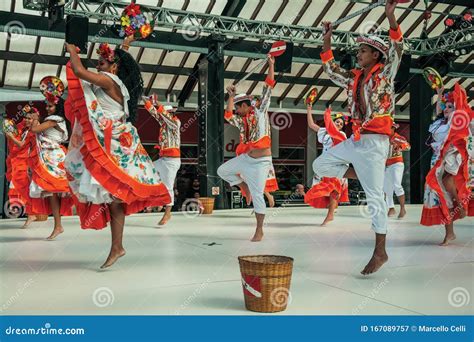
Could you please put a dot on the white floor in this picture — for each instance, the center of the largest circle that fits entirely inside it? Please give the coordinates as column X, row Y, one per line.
column 172, row 271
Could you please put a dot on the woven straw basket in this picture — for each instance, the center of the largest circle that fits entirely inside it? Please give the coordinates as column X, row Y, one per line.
column 266, row 282
column 40, row 218
column 208, row 204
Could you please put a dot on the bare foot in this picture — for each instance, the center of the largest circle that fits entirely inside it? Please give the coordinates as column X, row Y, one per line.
column 462, row 212
column 31, row 218
column 447, row 239
column 391, row 212
column 55, row 233
column 402, row 213
column 164, row 219
column 258, row 236
column 245, row 188
column 271, row 200
column 375, row 263
column 328, row 219
column 114, row 255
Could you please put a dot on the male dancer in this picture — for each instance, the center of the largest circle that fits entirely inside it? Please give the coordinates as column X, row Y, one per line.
column 169, row 141
column 249, row 170
column 394, row 172
column 371, row 103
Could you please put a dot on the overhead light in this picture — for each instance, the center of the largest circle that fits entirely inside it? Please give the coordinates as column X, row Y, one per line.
column 467, row 16
column 449, row 22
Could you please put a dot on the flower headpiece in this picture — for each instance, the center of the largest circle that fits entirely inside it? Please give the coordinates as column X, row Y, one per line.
column 52, row 88
column 445, row 98
column 28, row 109
column 106, row 53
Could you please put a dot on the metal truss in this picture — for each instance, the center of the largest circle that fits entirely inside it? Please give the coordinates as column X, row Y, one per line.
column 192, row 23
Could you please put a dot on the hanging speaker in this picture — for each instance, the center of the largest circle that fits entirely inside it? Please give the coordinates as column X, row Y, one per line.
column 284, row 61
column 77, row 31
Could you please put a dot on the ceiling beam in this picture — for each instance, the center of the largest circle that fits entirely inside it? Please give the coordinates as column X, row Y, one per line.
column 153, row 68
column 231, row 9
column 163, row 54
column 176, row 42
column 7, row 47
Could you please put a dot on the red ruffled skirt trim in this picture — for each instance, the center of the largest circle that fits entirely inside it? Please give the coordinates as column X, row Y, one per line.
column 318, row 196
column 43, row 178
column 135, row 195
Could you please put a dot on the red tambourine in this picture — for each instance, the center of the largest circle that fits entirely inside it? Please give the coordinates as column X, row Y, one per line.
column 310, row 97
column 433, row 78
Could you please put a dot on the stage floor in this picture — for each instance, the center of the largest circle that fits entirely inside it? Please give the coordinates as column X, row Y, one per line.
column 178, row 270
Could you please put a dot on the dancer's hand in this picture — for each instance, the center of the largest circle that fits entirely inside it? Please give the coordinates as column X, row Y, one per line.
column 231, row 90
column 271, row 59
column 327, row 30
column 390, row 13
column 127, row 41
column 440, row 90
column 71, row 48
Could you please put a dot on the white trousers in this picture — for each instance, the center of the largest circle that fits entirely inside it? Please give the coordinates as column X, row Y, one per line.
column 254, row 171
column 393, row 183
column 168, row 168
column 368, row 156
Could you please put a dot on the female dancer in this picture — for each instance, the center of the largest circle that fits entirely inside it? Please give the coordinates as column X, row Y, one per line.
column 109, row 171
column 17, row 162
column 447, row 194
column 47, row 159
column 327, row 192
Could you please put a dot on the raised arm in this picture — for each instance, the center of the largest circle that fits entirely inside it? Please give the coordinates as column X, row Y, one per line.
column 439, row 110
column 38, row 128
column 81, row 72
column 229, row 115
column 267, row 87
column 127, row 41
column 311, row 123
column 395, row 52
column 159, row 113
column 338, row 75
